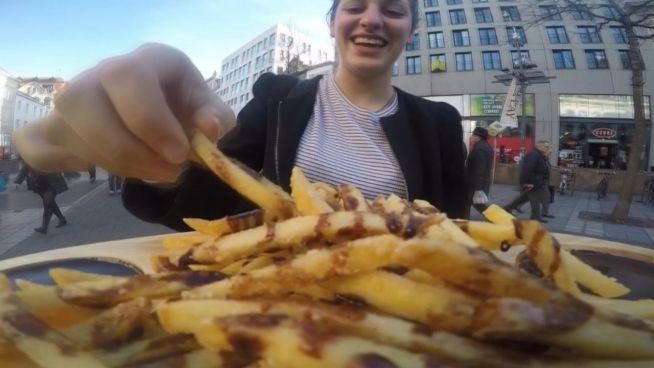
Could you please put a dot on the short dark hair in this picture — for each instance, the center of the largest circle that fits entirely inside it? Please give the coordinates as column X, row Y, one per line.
column 413, row 5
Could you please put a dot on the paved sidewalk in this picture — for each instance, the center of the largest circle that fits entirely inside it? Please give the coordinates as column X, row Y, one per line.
column 566, row 211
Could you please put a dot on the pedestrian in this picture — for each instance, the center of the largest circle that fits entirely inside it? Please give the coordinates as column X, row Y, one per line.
column 115, row 184
column 351, row 126
column 47, row 186
column 479, row 166
column 534, row 180
column 92, row 174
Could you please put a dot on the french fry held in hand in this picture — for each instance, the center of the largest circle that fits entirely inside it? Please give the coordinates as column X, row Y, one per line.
column 326, row 278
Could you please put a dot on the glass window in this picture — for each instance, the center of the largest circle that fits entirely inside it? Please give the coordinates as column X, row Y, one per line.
column 457, row 16
column 625, row 59
column 483, row 15
column 581, row 14
column 510, row 13
column 463, row 61
column 436, row 40
column 557, row 35
column 619, row 34
column 563, row 59
column 433, row 18
column 479, row 1
column 487, row 36
column 589, row 34
column 430, row 3
column 437, row 63
column 413, row 65
column 519, row 57
column 414, row 44
column 520, row 32
column 596, row 59
column 454, row 2
column 461, row 37
column 610, row 12
column 491, row 60
column 550, row 12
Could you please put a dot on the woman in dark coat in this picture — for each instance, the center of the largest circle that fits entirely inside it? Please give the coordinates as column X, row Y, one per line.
column 47, row 186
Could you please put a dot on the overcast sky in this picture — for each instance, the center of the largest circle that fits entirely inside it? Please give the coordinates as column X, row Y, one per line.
column 63, row 37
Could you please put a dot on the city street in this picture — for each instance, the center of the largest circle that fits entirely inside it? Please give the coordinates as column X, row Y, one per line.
column 94, row 216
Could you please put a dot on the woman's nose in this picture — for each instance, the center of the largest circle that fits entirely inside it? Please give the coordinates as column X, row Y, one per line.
column 372, row 17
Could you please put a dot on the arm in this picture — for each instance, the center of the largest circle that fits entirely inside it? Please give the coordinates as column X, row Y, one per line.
column 452, row 162
column 22, row 174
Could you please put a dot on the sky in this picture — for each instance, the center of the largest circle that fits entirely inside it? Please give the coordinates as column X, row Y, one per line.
column 62, row 38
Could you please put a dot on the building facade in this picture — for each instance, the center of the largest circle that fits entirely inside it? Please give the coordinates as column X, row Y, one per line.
column 586, row 110
column 280, row 49
column 8, row 90
column 28, row 109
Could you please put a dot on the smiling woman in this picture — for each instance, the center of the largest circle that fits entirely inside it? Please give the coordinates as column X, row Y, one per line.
column 133, row 114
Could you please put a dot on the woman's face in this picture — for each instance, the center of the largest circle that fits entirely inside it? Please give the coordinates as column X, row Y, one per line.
column 371, row 34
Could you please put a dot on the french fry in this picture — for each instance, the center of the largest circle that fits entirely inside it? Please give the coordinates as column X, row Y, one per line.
column 640, row 309
column 39, row 342
column 64, row 276
column 5, row 284
column 200, row 358
column 592, row 279
column 246, row 182
column 25, row 285
column 353, row 199
column 306, row 197
column 329, row 194
column 489, row 236
column 497, row 215
column 288, row 343
column 147, row 350
column 226, row 225
column 357, row 256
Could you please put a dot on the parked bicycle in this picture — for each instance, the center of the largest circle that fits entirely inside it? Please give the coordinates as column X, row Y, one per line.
column 603, row 185
column 567, row 181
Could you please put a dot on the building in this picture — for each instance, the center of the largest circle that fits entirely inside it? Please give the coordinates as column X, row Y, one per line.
column 28, row 109
column 43, row 89
column 586, row 111
column 8, row 90
column 280, row 49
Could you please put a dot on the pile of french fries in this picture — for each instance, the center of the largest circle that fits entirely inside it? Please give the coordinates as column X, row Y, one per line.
column 325, row 278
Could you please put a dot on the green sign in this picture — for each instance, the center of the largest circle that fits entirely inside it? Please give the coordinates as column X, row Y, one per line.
column 491, row 105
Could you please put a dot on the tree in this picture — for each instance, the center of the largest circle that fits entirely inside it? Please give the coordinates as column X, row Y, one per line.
column 636, row 17
column 291, row 56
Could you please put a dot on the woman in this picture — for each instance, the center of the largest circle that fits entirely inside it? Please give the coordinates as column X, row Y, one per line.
column 47, row 186
column 352, row 127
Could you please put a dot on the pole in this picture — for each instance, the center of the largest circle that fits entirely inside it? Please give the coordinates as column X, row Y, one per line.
column 523, row 119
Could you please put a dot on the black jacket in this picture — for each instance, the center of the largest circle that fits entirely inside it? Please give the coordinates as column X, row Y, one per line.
column 40, row 182
column 426, row 137
column 478, row 167
column 535, row 170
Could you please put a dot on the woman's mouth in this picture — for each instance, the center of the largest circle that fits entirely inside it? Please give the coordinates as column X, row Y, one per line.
column 369, row 41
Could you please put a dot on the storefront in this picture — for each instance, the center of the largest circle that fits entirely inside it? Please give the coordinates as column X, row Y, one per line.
column 596, row 131
column 486, row 109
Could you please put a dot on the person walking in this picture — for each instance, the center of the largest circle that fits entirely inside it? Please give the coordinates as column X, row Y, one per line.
column 47, row 186
column 479, row 166
column 534, row 179
column 115, row 184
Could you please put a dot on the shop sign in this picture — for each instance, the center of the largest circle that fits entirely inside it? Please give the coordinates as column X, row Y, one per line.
column 604, row 133
column 492, row 105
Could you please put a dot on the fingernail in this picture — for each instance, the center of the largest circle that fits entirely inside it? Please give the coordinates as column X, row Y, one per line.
column 174, row 153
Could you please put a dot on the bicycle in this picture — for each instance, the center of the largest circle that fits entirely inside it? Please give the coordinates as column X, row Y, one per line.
column 603, row 185
column 567, row 181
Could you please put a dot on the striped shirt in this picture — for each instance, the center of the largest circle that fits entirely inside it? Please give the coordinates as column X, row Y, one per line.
column 345, row 144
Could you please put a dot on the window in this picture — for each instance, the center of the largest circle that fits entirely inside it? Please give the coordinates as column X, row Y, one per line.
column 461, row 37
column 454, row 2
column 483, row 15
column 491, row 60
column 550, row 12
column 557, row 35
column 396, row 69
column 510, row 13
column 610, row 12
column 487, row 36
column 437, row 63
column 413, row 65
column 433, row 19
column 563, row 59
column 457, row 16
column 596, row 59
column 519, row 57
column 519, row 32
column 414, row 44
column 479, row 1
column 581, row 14
column 589, row 34
column 436, row 40
column 463, row 61
column 430, row 3
column 625, row 59
column 619, row 34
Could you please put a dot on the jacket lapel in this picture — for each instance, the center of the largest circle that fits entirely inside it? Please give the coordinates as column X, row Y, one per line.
column 400, row 135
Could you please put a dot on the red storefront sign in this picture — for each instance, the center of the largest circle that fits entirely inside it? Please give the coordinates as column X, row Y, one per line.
column 604, row 133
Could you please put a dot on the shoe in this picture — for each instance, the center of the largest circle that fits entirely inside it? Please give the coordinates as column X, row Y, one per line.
column 62, row 223
column 41, row 230
column 548, row 216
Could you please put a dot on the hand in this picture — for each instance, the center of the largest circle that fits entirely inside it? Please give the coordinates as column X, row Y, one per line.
column 132, row 115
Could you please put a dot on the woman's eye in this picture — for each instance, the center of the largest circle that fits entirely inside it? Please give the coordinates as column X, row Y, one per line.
column 395, row 12
column 353, row 9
